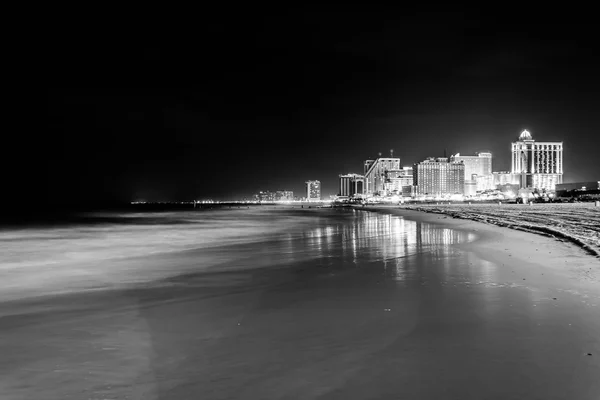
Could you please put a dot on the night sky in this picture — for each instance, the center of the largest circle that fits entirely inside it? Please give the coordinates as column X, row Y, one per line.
column 222, row 103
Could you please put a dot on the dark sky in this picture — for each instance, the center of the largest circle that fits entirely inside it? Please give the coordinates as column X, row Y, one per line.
column 222, row 103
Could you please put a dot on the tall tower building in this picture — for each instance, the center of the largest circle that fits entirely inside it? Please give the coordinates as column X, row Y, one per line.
column 439, row 177
column 313, row 190
column 479, row 164
column 351, row 185
column 476, row 167
column 368, row 164
column 539, row 164
column 378, row 173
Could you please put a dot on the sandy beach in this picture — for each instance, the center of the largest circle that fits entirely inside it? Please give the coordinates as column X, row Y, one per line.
column 387, row 303
column 578, row 223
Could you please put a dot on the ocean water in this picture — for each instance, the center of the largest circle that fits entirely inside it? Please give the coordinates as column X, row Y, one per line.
column 114, row 250
column 283, row 303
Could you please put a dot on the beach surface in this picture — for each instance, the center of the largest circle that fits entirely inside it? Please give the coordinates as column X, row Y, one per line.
column 307, row 304
column 578, row 223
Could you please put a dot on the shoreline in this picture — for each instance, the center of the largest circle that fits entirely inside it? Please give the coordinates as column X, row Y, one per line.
column 560, row 232
column 534, row 250
column 488, row 233
column 480, row 317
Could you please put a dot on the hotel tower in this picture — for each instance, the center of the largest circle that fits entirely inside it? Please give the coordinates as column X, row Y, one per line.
column 538, row 164
column 313, row 190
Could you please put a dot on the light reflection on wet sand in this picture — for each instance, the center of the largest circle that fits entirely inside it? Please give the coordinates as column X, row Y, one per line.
column 372, row 237
column 352, row 305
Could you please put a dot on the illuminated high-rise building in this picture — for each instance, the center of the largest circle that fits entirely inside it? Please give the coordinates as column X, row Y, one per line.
column 379, row 172
column 439, row 177
column 478, row 168
column 539, row 164
column 398, row 179
column 313, row 190
column 479, row 164
column 368, row 164
column 351, row 185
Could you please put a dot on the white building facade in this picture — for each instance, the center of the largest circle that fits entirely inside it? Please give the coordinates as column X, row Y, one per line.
column 313, row 190
column 377, row 174
column 351, row 185
column 539, row 164
column 478, row 171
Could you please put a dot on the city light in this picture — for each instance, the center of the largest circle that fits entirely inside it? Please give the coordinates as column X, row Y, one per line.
column 536, row 166
column 536, row 170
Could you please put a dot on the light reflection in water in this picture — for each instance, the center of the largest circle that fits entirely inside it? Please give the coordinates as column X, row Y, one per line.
column 380, row 237
column 110, row 254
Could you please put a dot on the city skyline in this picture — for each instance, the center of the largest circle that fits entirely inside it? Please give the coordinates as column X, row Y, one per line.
column 297, row 94
column 478, row 160
column 532, row 163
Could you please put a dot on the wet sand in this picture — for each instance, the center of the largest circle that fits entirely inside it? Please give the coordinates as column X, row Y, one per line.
column 485, row 312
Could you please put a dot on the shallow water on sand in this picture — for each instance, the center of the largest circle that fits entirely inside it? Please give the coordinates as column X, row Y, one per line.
column 113, row 250
column 286, row 304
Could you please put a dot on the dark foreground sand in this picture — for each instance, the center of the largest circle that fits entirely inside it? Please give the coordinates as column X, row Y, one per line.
column 509, row 316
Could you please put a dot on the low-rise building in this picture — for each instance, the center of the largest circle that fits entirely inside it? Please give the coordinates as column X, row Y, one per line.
column 576, row 189
column 409, row 191
column 590, row 185
column 284, row 195
column 265, row 196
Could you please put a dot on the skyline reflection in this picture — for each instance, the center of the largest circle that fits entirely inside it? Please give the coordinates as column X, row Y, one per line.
column 369, row 236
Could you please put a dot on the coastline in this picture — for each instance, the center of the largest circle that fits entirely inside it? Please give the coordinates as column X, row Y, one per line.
column 528, row 247
column 576, row 223
column 499, row 315
column 551, row 269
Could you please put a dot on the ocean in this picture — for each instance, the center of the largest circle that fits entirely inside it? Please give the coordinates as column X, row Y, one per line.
column 290, row 303
column 97, row 251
